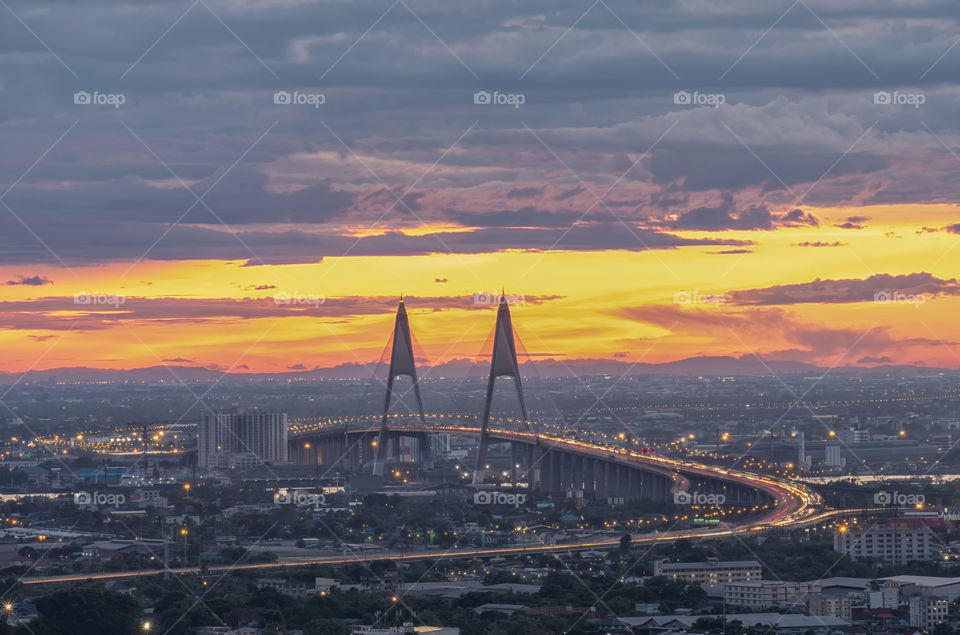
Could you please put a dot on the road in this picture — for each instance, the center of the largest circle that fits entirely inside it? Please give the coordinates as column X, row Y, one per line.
column 793, row 501
column 456, row 554
column 794, row 507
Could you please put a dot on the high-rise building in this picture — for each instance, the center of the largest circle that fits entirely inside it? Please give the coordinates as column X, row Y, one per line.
column 759, row 594
column 710, row 572
column 840, row 606
column 853, row 435
column 834, row 460
column 246, row 436
column 927, row 611
column 889, row 544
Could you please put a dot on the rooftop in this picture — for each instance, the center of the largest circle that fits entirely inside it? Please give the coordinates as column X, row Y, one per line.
column 923, row 580
column 715, row 564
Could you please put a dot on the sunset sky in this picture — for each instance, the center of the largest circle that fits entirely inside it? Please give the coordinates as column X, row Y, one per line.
column 682, row 178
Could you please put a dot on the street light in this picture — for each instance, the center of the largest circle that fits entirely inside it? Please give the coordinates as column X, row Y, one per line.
column 184, row 532
column 147, row 625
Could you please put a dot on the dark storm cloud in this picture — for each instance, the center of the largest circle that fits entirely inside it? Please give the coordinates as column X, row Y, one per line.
column 525, row 192
column 853, row 222
column 709, row 168
column 848, row 290
column 47, row 313
column 29, row 281
column 95, row 241
column 523, row 217
column 240, row 197
column 574, row 191
column 201, row 96
column 726, row 216
column 810, row 341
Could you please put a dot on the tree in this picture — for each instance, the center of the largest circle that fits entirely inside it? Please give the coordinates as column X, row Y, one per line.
column 86, row 610
column 625, row 543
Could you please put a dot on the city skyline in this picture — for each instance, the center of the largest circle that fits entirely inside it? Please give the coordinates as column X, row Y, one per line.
column 404, row 316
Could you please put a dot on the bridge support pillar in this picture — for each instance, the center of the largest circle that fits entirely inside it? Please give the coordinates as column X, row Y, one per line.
column 601, row 471
column 533, row 469
column 635, row 487
column 556, row 483
column 517, row 459
column 589, row 477
column 395, row 449
column 618, row 474
column 578, row 472
column 426, row 451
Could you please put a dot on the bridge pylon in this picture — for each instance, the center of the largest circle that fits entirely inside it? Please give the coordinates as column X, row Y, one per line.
column 402, row 364
column 502, row 364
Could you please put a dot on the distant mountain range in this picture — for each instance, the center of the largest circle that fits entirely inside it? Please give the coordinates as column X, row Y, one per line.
column 462, row 368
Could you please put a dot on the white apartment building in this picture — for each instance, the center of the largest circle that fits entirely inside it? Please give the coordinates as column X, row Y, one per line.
column 710, row 572
column 287, row 587
column 886, row 544
column 853, row 435
column 840, row 606
column 926, row 611
column 759, row 594
column 833, row 458
column 259, row 435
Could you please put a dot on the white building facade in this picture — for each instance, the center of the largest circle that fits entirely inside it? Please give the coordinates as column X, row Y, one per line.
column 885, row 544
column 225, row 438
